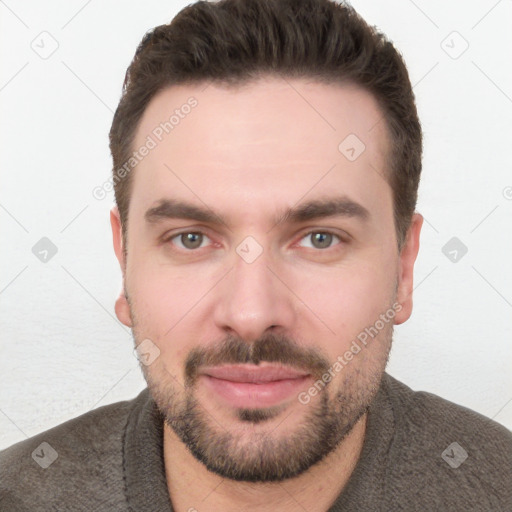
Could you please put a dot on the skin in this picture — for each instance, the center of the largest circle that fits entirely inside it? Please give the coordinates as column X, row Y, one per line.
column 248, row 154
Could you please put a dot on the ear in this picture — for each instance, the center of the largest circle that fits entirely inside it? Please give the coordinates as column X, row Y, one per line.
column 122, row 307
column 406, row 269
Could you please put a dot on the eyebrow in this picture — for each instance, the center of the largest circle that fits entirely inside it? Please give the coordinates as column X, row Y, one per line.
column 311, row 210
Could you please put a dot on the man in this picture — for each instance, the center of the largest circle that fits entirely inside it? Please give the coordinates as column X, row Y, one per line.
column 267, row 156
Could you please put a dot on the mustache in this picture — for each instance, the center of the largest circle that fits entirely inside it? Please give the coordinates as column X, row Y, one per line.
column 271, row 348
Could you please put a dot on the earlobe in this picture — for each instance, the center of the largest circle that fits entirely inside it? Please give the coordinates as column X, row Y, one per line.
column 406, row 269
column 122, row 309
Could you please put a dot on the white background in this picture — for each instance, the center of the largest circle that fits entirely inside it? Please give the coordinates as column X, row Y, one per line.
column 63, row 352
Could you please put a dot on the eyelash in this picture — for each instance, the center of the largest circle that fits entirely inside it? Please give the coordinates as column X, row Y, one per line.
column 309, row 233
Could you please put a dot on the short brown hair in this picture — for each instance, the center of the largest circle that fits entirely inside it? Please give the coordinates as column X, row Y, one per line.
column 237, row 41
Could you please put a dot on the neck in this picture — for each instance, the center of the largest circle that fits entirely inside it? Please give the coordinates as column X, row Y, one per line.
column 193, row 487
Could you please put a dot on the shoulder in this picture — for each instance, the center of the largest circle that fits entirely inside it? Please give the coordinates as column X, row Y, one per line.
column 447, row 453
column 80, row 459
column 426, row 412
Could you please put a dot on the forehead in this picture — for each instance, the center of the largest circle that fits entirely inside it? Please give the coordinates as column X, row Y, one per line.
column 267, row 142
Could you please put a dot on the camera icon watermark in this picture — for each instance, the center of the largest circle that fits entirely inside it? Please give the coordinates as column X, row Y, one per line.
column 45, row 455
column 45, row 45
column 249, row 249
column 351, row 147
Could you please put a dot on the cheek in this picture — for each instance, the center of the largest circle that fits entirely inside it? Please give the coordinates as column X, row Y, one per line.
column 172, row 304
column 162, row 301
column 347, row 300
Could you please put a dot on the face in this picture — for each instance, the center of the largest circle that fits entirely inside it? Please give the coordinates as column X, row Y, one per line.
column 262, row 277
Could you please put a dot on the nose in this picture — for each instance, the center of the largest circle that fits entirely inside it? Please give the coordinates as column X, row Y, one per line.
column 254, row 298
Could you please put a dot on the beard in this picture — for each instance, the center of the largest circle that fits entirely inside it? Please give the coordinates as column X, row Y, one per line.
column 256, row 451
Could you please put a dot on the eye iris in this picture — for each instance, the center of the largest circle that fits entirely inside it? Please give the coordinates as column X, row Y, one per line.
column 192, row 240
column 321, row 240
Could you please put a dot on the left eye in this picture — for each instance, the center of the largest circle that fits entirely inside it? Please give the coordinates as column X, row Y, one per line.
column 320, row 239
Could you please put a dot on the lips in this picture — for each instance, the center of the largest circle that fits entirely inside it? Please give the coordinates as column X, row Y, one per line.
column 253, row 374
column 250, row 386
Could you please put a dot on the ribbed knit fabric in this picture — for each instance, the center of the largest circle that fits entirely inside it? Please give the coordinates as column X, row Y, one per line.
column 145, row 485
column 111, row 460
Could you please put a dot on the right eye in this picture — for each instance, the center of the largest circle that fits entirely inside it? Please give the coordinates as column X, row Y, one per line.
column 188, row 240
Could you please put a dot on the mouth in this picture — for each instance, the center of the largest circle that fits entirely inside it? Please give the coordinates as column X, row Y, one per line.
column 251, row 386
